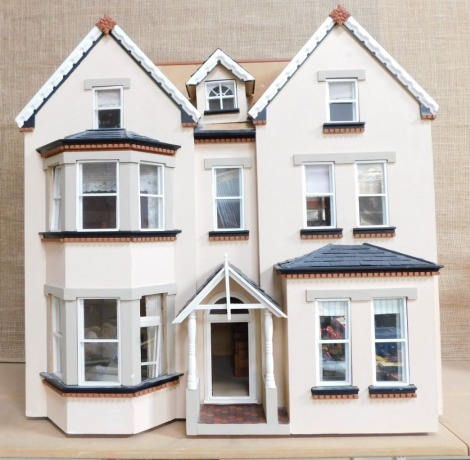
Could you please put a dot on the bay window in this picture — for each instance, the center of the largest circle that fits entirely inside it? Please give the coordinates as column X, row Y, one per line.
column 343, row 101
column 391, row 341
column 333, row 342
column 98, row 192
column 56, row 208
column 319, row 195
column 108, row 108
column 372, row 194
column 57, row 335
column 228, row 198
column 151, row 196
column 98, row 341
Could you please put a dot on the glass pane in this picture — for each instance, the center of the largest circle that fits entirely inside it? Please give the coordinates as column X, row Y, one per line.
column 226, row 90
column 109, row 98
column 372, row 210
column 214, row 91
column 101, row 362
column 317, row 179
column 150, row 212
column 333, row 365
column 99, row 212
column 228, row 182
column 318, row 211
column 371, row 178
column 148, row 371
column 150, row 179
column 228, row 103
column 100, row 318
column 109, row 118
column 228, row 214
column 342, row 111
column 341, row 90
column 390, row 360
column 389, row 326
column 99, row 177
column 215, row 104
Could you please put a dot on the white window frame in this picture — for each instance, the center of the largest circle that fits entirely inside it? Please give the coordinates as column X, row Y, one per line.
column 80, row 196
column 403, row 340
column 97, row 109
column 160, row 196
column 319, row 342
column 156, row 322
column 331, row 195
column 55, row 223
column 210, row 85
column 57, row 336
column 82, row 341
column 234, row 197
column 354, row 100
column 383, row 195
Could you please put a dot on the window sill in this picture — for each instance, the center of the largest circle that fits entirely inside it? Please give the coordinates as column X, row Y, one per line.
column 374, row 232
column 119, row 391
column 229, row 235
column 221, row 112
column 110, row 236
column 320, row 233
column 335, row 392
column 339, row 128
column 384, row 392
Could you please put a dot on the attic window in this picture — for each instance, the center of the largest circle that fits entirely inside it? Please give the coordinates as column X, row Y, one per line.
column 221, row 96
column 343, row 101
column 108, row 108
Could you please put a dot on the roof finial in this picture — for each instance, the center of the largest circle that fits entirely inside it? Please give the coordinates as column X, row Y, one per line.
column 340, row 15
column 106, row 24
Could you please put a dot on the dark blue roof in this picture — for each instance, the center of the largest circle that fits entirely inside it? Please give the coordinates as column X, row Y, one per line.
column 337, row 258
column 107, row 136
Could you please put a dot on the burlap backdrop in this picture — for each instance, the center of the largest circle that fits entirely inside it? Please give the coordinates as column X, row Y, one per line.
column 430, row 38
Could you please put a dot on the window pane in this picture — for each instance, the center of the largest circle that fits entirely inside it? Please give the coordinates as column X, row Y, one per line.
column 215, row 104
column 109, row 118
column 101, row 362
column 372, row 210
column 227, row 182
column 341, row 90
column 390, row 359
column 100, row 318
column 333, row 366
column 371, row 178
column 109, row 98
column 342, row 111
column 150, row 179
column 318, row 178
column 228, row 214
column 99, row 177
column 318, row 211
column 151, row 215
column 99, row 212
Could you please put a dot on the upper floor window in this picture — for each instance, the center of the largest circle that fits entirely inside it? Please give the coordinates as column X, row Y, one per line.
column 319, row 195
column 372, row 194
column 108, row 108
column 391, row 342
column 221, row 95
column 343, row 101
column 334, row 351
column 99, row 341
column 56, row 204
column 97, row 195
column 228, row 198
column 151, row 196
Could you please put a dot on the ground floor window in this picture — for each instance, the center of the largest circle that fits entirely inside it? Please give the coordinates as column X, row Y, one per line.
column 57, row 335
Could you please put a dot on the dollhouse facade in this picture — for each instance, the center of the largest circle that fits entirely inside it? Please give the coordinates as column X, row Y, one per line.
column 256, row 264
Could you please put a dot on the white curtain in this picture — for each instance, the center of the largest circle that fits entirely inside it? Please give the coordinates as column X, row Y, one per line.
column 99, row 177
column 317, row 178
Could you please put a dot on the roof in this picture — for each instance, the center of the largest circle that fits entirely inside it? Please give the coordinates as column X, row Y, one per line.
column 365, row 258
column 106, row 26
column 224, row 271
column 218, row 57
column 341, row 18
column 107, row 139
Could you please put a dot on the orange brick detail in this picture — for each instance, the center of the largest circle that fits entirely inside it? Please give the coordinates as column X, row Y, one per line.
column 393, row 396
column 354, row 275
column 106, row 24
column 312, row 236
column 149, row 239
column 374, row 235
column 26, row 130
column 224, row 141
column 343, row 130
column 340, row 15
column 229, row 238
column 355, row 396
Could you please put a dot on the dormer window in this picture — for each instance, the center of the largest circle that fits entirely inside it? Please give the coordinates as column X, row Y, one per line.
column 221, row 95
column 108, row 108
column 343, row 101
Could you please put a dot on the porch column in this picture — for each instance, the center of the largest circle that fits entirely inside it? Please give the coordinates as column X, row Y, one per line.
column 268, row 336
column 192, row 377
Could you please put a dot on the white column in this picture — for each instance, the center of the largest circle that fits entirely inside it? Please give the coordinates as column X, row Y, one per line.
column 268, row 337
column 192, row 377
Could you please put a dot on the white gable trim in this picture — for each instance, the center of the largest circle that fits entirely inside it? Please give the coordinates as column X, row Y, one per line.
column 79, row 52
column 228, row 272
column 368, row 42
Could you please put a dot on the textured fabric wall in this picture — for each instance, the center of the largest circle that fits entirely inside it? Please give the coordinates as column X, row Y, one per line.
column 429, row 38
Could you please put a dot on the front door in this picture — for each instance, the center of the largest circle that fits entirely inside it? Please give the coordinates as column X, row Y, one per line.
column 230, row 357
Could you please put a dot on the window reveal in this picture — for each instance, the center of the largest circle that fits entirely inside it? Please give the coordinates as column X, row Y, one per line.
column 342, row 101
column 57, row 335
column 221, row 95
column 108, row 108
column 333, row 342
column 391, row 343
column 319, row 196
column 228, row 201
column 56, row 210
column 151, row 197
column 98, row 196
column 372, row 194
